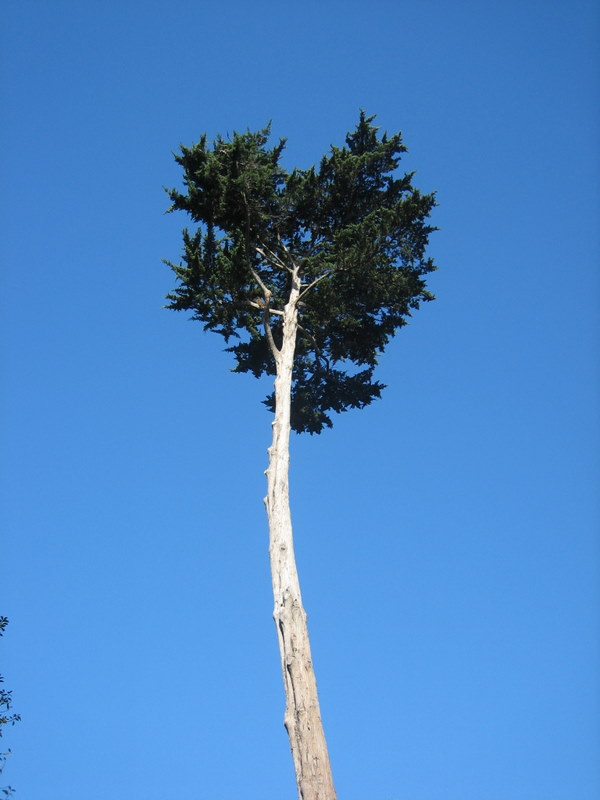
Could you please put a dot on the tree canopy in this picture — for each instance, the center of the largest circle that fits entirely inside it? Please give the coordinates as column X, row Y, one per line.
column 356, row 230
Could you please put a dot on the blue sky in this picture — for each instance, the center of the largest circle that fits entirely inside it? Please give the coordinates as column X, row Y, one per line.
column 447, row 536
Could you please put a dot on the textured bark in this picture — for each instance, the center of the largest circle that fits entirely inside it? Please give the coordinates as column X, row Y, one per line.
column 302, row 714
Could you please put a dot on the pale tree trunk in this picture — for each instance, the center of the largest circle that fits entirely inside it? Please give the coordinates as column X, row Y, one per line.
column 302, row 714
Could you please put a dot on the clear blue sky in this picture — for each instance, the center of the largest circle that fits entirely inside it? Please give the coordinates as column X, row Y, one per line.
column 447, row 536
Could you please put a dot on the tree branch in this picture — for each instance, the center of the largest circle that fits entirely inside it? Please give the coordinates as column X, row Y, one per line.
column 267, row 292
column 272, row 257
column 269, row 333
column 287, row 252
column 314, row 283
column 317, row 349
column 266, row 314
column 260, row 307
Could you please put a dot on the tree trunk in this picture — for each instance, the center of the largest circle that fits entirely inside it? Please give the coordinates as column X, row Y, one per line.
column 302, row 714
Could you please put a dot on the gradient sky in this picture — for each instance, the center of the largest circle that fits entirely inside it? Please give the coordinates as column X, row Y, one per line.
column 447, row 536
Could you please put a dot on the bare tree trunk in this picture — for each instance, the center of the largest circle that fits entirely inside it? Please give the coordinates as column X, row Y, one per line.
column 302, row 714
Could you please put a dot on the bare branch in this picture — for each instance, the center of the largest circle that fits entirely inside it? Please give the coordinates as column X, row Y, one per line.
column 314, row 283
column 260, row 307
column 272, row 257
column 267, row 292
column 269, row 333
column 282, row 243
column 266, row 314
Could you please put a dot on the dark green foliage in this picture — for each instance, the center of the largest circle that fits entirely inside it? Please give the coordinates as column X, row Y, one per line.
column 357, row 232
column 5, row 718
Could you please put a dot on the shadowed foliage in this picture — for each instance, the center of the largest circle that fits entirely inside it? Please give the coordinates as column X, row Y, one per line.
column 5, row 717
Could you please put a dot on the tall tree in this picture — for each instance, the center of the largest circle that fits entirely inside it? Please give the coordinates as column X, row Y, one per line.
column 308, row 274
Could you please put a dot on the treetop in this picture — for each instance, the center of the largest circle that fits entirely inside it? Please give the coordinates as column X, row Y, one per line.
column 353, row 231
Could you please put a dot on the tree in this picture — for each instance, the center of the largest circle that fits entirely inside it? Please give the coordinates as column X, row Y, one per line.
column 5, row 717
column 307, row 275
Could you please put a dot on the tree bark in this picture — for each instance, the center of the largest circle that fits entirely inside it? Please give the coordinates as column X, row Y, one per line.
column 302, row 718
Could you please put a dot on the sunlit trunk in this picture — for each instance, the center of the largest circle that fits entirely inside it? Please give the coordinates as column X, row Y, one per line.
column 302, row 714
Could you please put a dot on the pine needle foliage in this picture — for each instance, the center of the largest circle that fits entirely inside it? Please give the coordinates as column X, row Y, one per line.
column 358, row 232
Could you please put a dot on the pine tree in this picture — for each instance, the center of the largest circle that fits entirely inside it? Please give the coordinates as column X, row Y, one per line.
column 307, row 275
